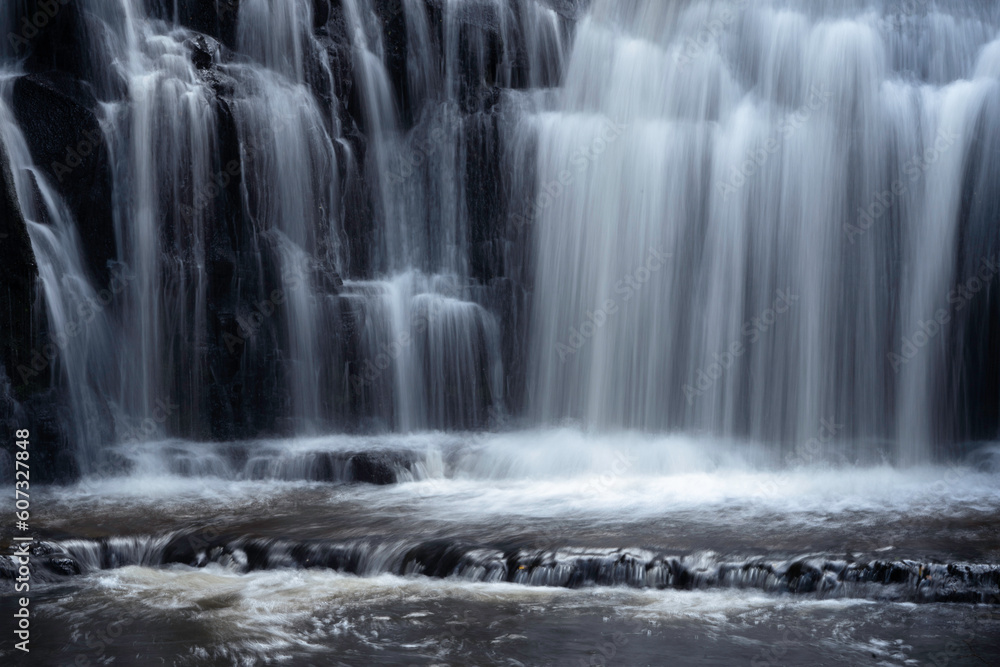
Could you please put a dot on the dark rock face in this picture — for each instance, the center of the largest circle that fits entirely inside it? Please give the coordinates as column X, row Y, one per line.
column 52, row 37
column 210, row 17
column 57, row 115
column 486, row 201
column 393, row 20
column 31, row 403
column 53, row 459
column 17, row 280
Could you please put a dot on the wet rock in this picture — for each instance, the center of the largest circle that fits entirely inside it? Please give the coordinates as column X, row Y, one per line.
column 434, row 559
column 321, row 14
column 572, row 10
column 329, row 282
column 803, row 577
column 393, row 18
column 216, row 18
column 17, row 280
column 373, row 468
column 54, row 38
column 53, row 458
column 64, row 566
column 57, row 114
column 204, row 51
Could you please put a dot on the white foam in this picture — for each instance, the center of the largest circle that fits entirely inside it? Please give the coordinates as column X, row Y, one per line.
column 565, row 472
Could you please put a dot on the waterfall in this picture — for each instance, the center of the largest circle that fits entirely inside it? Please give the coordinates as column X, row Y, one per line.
column 743, row 219
column 228, row 175
column 747, row 214
column 76, row 327
column 500, row 331
column 162, row 141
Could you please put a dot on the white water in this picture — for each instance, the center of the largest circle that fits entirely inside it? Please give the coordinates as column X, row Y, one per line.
column 551, row 475
column 79, row 322
column 661, row 106
column 285, row 612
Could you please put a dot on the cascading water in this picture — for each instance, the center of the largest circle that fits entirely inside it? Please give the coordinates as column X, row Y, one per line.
column 335, row 321
column 745, row 216
column 78, row 336
column 171, row 99
column 162, row 141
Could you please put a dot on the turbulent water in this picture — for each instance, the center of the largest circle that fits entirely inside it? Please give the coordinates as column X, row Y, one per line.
column 540, row 547
column 504, row 331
